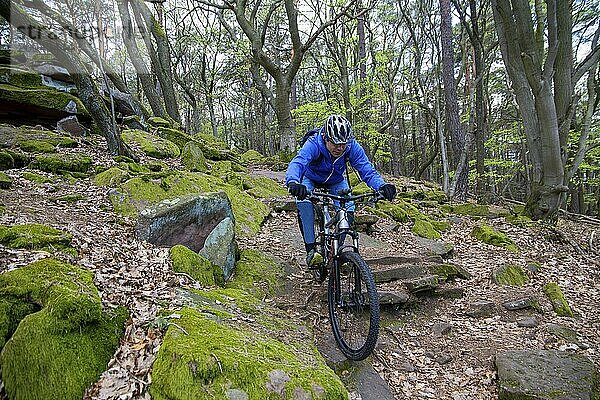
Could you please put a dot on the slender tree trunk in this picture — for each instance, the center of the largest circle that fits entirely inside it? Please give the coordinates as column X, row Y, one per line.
column 164, row 67
column 452, row 114
column 142, row 72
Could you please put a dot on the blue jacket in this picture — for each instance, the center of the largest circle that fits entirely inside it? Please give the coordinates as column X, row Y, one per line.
column 316, row 163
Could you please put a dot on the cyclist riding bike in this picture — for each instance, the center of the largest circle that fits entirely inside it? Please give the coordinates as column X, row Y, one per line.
column 321, row 162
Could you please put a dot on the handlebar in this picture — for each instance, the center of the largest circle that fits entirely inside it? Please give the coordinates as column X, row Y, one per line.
column 315, row 195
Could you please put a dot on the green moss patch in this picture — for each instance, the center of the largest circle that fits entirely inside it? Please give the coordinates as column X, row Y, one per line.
column 6, row 161
column 251, row 157
column 37, row 178
column 262, row 187
column 256, row 273
column 214, row 358
column 37, row 146
column 69, row 198
column 518, row 220
column 193, row 158
column 56, row 163
column 470, row 209
column 150, row 144
column 425, row 229
column 5, row 181
column 489, row 235
column 510, row 275
column 159, row 122
column 112, row 177
column 556, row 297
column 196, row 266
column 36, row 237
column 20, row 77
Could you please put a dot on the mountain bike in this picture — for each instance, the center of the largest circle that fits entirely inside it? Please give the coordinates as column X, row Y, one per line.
column 352, row 297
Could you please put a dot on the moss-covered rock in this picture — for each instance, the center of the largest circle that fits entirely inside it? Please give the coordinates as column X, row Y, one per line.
column 193, row 158
column 140, row 192
column 44, row 98
column 5, row 181
column 159, row 122
column 557, row 298
column 37, row 178
column 36, row 237
column 196, row 266
column 510, row 275
column 37, row 146
column 470, row 209
column 150, row 144
column 251, row 157
column 21, row 160
column 57, row 163
column 52, row 313
column 424, row 228
column 518, row 220
column 20, row 77
column 256, row 273
column 262, row 187
column 216, row 359
column 400, row 211
column 489, row 235
column 112, row 177
column 6, row 161
column 69, row 198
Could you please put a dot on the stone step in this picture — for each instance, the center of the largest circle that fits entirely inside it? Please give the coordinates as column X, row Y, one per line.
column 422, row 284
column 394, row 260
column 404, row 272
column 392, row 297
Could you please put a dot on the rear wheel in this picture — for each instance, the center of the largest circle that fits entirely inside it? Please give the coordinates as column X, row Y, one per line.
column 354, row 307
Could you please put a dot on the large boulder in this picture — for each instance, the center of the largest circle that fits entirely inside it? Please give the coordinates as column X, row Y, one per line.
column 52, row 325
column 203, row 223
column 545, row 375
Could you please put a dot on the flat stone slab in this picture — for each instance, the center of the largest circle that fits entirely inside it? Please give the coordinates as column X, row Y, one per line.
column 392, row 298
column 400, row 273
column 545, row 375
column 422, row 284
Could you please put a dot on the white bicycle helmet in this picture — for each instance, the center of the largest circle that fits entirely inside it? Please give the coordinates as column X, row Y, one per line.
column 338, row 129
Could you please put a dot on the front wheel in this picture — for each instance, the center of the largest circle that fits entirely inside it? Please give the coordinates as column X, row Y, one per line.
column 353, row 307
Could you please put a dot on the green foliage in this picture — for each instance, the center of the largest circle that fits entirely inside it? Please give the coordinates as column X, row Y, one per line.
column 313, row 115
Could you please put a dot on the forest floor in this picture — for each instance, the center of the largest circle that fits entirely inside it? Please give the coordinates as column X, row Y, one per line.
column 428, row 348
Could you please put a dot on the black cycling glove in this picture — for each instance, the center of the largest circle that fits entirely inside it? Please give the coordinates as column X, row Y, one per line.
column 298, row 190
column 388, row 191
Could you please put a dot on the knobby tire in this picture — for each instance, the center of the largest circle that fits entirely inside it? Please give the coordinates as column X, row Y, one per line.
column 362, row 313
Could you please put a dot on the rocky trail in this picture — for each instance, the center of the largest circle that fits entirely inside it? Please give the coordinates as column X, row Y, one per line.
column 444, row 319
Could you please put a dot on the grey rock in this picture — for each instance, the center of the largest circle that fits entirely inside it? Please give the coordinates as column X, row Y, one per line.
column 301, row 394
column 436, row 247
column 444, row 359
column 519, row 304
column 407, row 367
column 481, row 309
column 283, row 205
column 54, row 72
column 404, row 272
column 562, row 332
column 527, row 322
column 71, row 107
column 423, row 284
column 236, row 394
column 190, row 220
column 545, row 375
column 219, row 246
column 71, row 125
column 392, row 298
column 277, row 381
column 193, row 158
column 58, row 84
column 440, row 329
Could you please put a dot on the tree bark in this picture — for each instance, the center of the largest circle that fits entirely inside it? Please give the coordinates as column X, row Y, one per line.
column 452, row 114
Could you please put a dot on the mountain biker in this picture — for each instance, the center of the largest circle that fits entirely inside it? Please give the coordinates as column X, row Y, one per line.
column 321, row 162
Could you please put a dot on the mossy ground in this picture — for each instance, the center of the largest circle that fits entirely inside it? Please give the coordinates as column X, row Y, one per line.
column 37, row 178
column 256, row 273
column 214, row 357
column 41, row 97
column 36, row 237
column 5, row 181
column 489, row 235
column 51, row 312
column 470, row 209
column 112, row 177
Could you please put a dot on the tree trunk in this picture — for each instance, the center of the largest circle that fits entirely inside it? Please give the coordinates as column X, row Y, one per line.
column 164, row 68
column 136, row 59
column 88, row 91
column 452, row 114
